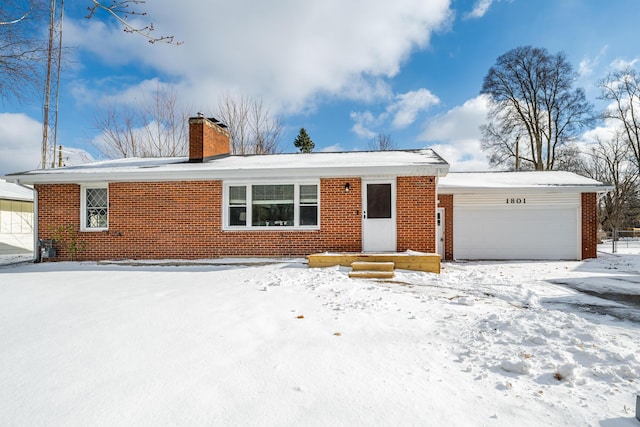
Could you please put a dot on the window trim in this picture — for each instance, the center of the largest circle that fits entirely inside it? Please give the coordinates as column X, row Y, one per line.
column 249, row 203
column 83, row 206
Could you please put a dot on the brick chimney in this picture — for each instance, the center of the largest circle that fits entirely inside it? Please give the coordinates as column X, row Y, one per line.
column 207, row 138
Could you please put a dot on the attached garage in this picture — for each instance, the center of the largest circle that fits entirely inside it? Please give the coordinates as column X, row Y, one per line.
column 520, row 215
column 536, row 226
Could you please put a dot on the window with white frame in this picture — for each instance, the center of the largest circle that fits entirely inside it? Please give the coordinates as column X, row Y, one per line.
column 95, row 208
column 238, row 205
column 272, row 205
column 308, row 205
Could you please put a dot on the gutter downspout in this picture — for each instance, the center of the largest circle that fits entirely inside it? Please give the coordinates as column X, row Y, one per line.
column 36, row 221
column 36, row 246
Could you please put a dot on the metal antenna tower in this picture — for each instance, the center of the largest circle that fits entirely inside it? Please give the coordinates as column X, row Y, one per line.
column 54, row 57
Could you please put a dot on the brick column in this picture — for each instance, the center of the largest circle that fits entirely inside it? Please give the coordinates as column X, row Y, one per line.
column 589, row 226
column 446, row 201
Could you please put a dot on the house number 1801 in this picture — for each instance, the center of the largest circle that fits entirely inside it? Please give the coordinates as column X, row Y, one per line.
column 516, row 201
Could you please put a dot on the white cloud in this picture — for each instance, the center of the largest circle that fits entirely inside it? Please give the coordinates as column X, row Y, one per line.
column 367, row 90
column 479, row 9
column 364, row 121
column 109, row 90
column 21, row 143
column 286, row 51
column 335, row 148
column 408, row 105
column 620, row 64
column 588, row 65
column 403, row 112
column 603, row 133
column 455, row 135
column 463, row 155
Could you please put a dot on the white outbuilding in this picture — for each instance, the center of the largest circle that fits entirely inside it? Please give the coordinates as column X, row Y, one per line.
column 16, row 218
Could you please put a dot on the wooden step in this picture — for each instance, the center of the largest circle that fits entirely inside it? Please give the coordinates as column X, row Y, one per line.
column 372, row 266
column 372, row 274
column 417, row 261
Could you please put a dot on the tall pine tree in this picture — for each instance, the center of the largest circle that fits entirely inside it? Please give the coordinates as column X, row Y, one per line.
column 303, row 142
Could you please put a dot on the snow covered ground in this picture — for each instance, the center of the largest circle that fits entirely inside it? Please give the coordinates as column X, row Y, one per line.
column 483, row 344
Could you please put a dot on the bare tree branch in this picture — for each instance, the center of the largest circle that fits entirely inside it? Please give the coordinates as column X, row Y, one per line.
column 534, row 109
column 253, row 129
column 622, row 90
column 122, row 10
column 155, row 128
column 610, row 161
column 24, row 16
column 23, row 48
column 382, row 142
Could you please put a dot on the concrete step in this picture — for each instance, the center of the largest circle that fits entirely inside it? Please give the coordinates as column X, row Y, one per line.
column 372, row 266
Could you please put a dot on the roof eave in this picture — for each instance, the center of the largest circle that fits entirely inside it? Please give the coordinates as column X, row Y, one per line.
column 162, row 174
column 526, row 189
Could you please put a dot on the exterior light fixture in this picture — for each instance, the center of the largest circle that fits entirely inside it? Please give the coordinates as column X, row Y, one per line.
column 347, row 187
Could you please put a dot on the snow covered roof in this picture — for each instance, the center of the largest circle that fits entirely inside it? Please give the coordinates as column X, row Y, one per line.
column 297, row 165
column 9, row 191
column 459, row 182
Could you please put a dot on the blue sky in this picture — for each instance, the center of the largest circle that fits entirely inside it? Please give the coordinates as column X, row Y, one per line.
column 345, row 71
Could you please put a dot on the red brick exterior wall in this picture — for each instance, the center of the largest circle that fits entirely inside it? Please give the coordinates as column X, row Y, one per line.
column 58, row 205
column 156, row 220
column 446, row 201
column 416, row 213
column 206, row 139
column 160, row 220
column 589, row 226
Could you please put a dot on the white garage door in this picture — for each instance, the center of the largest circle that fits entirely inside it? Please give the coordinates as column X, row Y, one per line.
column 507, row 226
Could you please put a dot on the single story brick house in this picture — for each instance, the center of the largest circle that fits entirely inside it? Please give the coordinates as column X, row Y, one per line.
column 213, row 204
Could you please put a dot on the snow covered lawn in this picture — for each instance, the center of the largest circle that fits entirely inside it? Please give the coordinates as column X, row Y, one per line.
column 492, row 344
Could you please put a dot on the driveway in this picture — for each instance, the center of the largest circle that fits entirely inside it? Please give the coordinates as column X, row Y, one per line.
column 11, row 254
column 7, row 249
column 602, row 296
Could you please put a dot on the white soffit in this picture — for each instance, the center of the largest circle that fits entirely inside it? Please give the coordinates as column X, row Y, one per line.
column 9, row 191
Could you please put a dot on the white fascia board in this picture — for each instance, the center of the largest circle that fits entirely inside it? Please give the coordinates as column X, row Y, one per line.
column 184, row 174
column 16, row 198
column 527, row 190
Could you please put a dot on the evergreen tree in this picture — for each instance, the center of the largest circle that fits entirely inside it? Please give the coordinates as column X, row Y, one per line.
column 303, row 142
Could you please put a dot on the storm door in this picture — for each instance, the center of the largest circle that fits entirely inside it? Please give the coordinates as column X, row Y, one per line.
column 379, row 216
